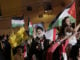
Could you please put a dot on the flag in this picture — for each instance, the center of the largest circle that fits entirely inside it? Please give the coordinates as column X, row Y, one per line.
column 30, row 27
column 16, row 39
column 57, row 22
column 72, row 11
column 12, row 40
column 25, row 51
column 20, row 35
column 51, row 34
column 64, row 54
column 51, row 50
column 17, row 22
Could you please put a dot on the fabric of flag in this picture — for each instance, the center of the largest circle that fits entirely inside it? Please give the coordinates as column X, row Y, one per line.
column 64, row 54
column 72, row 11
column 16, row 39
column 25, row 51
column 57, row 22
column 12, row 40
column 30, row 27
column 51, row 34
column 51, row 50
column 17, row 22
column 62, row 16
column 20, row 35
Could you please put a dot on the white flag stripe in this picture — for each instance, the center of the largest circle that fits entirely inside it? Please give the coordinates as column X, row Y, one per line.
column 17, row 21
column 64, row 56
column 25, row 54
column 64, row 14
column 49, row 34
column 30, row 25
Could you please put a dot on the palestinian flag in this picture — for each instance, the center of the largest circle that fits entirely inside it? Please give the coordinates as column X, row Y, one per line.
column 51, row 50
column 57, row 22
column 72, row 11
column 64, row 54
column 51, row 34
column 17, row 22
column 30, row 27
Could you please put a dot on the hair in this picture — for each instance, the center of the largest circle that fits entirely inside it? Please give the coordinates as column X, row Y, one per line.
column 64, row 21
column 16, row 48
column 64, row 25
column 39, row 28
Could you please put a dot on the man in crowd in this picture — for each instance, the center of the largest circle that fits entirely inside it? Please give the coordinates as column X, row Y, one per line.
column 39, row 45
column 6, row 48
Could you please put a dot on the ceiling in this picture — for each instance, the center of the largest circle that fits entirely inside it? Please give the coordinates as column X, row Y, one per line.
column 11, row 8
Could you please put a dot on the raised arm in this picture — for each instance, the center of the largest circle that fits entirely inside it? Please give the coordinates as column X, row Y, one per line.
column 77, row 27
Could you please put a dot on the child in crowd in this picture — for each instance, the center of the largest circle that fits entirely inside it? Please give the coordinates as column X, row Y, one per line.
column 19, row 54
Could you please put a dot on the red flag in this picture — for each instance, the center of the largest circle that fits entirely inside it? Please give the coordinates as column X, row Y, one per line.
column 54, row 34
column 25, row 51
column 63, row 48
column 72, row 10
column 51, row 51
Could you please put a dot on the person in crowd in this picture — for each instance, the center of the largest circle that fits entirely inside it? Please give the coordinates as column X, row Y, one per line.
column 6, row 48
column 56, row 53
column 39, row 45
column 75, row 52
column 1, row 50
column 68, row 30
column 19, row 54
column 59, row 42
column 65, row 24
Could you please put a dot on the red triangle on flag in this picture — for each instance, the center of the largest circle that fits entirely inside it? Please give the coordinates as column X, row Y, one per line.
column 72, row 11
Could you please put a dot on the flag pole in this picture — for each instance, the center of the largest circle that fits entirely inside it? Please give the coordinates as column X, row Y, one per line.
column 12, row 57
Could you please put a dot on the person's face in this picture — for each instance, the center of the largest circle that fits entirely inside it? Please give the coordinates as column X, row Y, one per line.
column 19, row 51
column 39, row 31
column 67, row 21
column 78, row 35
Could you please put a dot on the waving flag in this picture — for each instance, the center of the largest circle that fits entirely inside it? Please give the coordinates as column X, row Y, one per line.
column 72, row 11
column 16, row 39
column 51, row 34
column 17, row 22
column 30, row 27
column 25, row 51
column 68, row 11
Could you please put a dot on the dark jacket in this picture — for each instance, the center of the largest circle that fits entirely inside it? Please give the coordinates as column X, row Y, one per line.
column 38, row 52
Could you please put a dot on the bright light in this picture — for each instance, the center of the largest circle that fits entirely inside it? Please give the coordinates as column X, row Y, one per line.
column 45, row 11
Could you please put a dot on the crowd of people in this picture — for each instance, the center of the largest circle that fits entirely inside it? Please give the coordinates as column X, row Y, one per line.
column 65, row 47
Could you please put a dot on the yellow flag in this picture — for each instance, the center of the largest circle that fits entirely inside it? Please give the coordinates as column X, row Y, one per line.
column 21, row 31
column 12, row 40
column 17, row 38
